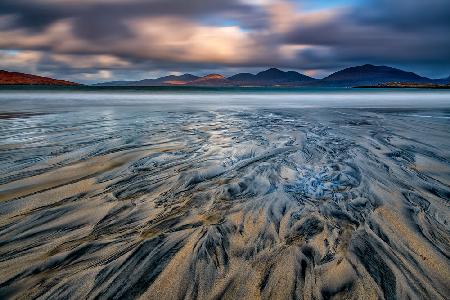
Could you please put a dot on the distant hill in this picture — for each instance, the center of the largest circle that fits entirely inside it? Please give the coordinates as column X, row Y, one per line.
column 166, row 80
column 365, row 75
column 370, row 75
column 242, row 77
column 210, row 80
column 16, row 78
column 271, row 77
column 442, row 80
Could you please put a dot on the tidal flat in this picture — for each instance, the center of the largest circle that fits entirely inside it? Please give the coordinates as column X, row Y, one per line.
column 225, row 195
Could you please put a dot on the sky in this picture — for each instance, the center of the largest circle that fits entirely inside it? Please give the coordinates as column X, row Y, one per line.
column 102, row 40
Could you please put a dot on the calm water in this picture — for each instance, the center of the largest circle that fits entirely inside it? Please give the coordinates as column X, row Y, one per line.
column 149, row 99
column 225, row 193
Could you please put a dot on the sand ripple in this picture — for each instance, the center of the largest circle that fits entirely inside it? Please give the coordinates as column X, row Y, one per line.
column 299, row 203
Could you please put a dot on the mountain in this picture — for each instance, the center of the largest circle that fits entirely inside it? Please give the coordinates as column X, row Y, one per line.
column 370, row 75
column 210, row 80
column 166, row 80
column 276, row 75
column 271, row 77
column 365, row 75
column 16, row 78
column 442, row 80
column 242, row 77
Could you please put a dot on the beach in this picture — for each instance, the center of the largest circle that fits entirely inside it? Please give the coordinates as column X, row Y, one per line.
column 234, row 195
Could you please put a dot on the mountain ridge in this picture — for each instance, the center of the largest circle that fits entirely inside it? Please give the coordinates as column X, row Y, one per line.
column 366, row 74
column 369, row 74
column 362, row 75
column 210, row 80
column 161, row 81
column 272, row 76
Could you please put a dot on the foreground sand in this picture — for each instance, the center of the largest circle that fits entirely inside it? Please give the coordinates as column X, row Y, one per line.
column 280, row 204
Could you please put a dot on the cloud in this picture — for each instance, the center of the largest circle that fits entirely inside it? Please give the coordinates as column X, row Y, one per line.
column 25, row 60
column 100, row 74
column 89, row 61
column 401, row 32
column 136, row 36
column 186, row 42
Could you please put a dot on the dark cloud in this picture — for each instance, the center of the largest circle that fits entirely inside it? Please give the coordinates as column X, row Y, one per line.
column 36, row 14
column 30, row 16
column 235, row 34
column 405, row 15
column 408, row 33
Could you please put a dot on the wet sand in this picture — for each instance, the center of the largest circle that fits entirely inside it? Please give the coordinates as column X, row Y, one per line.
column 226, row 204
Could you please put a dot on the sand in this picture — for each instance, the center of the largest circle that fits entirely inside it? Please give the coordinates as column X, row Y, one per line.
column 255, row 204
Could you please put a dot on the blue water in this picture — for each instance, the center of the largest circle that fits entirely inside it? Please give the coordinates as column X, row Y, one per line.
column 207, row 99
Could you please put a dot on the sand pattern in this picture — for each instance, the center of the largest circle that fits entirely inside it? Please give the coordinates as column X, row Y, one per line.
column 254, row 204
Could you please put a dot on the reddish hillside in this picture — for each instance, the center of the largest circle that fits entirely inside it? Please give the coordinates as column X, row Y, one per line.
column 15, row 78
column 210, row 80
